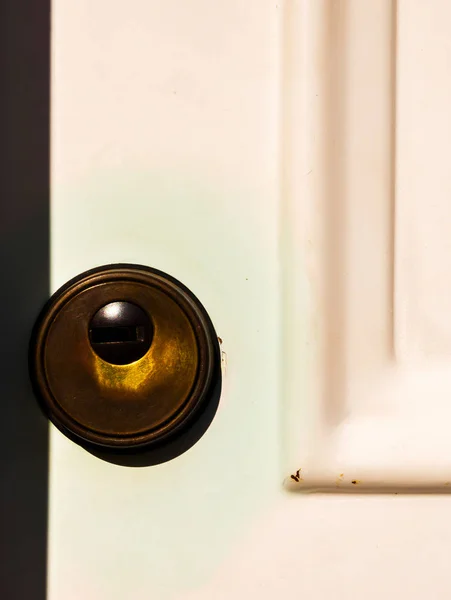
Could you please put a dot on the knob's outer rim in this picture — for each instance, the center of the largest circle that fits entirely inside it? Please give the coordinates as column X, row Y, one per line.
column 209, row 370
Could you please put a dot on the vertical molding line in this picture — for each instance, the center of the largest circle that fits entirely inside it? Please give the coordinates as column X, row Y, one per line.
column 394, row 147
column 303, row 161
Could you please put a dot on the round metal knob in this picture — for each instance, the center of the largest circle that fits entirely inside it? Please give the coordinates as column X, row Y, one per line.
column 124, row 356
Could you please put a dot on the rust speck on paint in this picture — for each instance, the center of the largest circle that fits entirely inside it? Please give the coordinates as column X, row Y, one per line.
column 219, row 340
column 297, row 476
column 355, row 481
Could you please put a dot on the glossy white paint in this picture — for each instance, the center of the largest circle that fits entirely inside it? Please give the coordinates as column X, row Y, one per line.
column 248, row 149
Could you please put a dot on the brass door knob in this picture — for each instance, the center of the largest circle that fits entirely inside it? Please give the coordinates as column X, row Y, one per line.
column 124, row 357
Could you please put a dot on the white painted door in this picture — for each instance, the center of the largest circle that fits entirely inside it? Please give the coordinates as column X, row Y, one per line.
column 287, row 161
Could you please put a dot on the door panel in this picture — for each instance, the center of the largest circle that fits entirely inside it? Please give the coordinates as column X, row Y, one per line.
column 368, row 407
column 262, row 153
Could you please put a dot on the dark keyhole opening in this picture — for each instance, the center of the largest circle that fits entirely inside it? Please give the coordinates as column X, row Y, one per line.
column 120, row 332
column 111, row 335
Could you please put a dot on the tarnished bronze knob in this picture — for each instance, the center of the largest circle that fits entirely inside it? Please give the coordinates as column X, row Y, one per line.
column 124, row 357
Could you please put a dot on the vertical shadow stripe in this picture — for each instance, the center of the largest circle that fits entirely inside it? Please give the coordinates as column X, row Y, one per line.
column 24, row 242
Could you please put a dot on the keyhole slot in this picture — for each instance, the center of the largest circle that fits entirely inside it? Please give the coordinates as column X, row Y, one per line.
column 120, row 332
column 116, row 335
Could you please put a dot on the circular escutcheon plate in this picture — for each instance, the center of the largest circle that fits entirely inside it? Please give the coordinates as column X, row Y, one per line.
column 124, row 406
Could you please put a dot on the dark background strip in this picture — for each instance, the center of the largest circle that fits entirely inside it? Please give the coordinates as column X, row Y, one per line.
column 24, row 287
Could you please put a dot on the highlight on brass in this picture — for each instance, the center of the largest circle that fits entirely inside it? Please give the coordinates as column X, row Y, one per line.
column 124, row 357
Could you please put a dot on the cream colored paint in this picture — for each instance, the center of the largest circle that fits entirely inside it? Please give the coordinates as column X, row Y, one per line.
column 146, row 98
column 368, row 161
column 208, row 140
